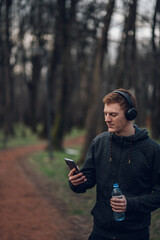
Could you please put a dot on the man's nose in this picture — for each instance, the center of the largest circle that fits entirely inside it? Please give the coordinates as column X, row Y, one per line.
column 107, row 118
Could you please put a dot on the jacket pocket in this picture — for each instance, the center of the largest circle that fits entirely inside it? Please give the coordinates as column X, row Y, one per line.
column 137, row 221
column 102, row 214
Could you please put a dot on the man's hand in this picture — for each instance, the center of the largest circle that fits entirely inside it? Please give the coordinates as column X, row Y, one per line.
column 76, row 179
column 118, row 204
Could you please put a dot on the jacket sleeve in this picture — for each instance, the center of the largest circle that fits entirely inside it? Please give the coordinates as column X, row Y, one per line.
column 151, row 201
column 88, row 170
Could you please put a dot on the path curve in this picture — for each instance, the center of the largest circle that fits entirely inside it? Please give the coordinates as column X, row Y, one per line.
column 25, row 212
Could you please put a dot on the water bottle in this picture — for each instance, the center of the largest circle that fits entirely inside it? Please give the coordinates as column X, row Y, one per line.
column 116, row 193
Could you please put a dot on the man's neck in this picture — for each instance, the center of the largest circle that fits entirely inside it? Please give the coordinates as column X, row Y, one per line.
column 127, row 132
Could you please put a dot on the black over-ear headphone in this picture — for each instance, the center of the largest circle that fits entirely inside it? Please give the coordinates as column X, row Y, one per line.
column 131, row 113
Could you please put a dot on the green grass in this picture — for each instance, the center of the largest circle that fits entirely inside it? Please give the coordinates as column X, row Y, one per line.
column 57, row 170
column 74, row 133
column 155, row 226
column 23, row 136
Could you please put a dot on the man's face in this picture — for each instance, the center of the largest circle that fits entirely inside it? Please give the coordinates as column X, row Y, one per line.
column 115, row 119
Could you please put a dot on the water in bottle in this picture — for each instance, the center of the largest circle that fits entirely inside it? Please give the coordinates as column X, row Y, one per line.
column 116, row 193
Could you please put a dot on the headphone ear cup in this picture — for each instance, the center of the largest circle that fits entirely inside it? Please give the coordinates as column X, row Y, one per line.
column 131, row 114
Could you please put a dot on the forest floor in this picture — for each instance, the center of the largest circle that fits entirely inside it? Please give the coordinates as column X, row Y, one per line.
column 29, row 207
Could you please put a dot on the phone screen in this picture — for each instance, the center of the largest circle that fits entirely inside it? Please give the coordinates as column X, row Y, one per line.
column 71, row 164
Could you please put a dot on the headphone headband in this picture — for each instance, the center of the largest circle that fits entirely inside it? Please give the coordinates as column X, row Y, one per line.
column 126, row 96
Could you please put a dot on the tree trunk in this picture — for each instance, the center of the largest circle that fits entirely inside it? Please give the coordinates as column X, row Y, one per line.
column 96, row 103
column 155, row 113
column 126, row 70
column 126, row 60
column 8, row 128
column 65, row 30
column 36, row 61
column 33, row 90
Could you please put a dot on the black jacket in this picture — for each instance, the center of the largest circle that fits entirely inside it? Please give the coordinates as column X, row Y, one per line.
column 133, row 162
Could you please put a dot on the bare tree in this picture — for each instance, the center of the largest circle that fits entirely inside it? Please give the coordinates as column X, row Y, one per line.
column 155, row 113
column 126, row 60
column 6, row 70
column 66, row 19
column 126, row 67
column 35, row 25
column 94, row 110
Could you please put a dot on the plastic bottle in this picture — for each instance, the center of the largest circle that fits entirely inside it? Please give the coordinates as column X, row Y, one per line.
column 116, row 193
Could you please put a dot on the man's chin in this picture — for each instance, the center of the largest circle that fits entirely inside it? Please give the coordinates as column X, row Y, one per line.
column 112, row 130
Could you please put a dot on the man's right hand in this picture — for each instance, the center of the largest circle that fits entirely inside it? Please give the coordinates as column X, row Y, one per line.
column 76, row 179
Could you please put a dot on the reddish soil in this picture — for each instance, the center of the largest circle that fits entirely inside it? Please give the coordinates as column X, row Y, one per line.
column 74, row 141
column 29, row 210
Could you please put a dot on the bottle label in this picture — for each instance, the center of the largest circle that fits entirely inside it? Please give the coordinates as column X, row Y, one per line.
column 118, row 196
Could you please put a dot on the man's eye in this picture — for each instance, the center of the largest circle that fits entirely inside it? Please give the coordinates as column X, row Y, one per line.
column 114, row 115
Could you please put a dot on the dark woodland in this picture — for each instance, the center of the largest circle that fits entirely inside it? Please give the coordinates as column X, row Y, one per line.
column 58, row 58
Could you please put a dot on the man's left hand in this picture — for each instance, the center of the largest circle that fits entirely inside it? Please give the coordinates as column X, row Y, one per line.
column 118, row 204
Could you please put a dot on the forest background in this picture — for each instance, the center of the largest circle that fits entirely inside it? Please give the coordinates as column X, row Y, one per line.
column 58, row 58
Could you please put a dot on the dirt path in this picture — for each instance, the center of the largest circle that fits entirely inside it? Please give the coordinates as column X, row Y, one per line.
column 27, row 210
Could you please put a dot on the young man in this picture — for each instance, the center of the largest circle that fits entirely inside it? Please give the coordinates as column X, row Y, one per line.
column 125, row 155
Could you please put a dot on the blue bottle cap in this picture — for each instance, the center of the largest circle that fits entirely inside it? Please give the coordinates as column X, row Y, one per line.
column 115, row 185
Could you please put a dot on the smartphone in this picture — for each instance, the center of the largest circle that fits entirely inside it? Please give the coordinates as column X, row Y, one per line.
column 71, row 164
